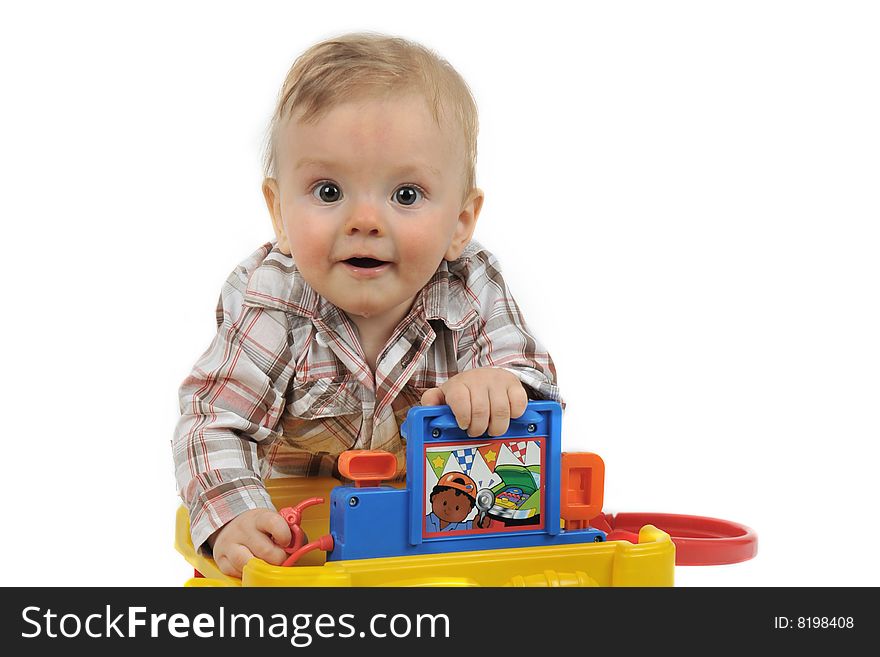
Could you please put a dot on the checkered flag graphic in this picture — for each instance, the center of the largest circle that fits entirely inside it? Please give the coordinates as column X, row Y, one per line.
column 465, row 458
column 518, row 447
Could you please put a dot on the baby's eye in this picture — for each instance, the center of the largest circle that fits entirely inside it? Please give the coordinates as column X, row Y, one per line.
column 408, row 195
column 327, row 192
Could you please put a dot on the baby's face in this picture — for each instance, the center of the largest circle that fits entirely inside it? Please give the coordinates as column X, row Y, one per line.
column 368, row 200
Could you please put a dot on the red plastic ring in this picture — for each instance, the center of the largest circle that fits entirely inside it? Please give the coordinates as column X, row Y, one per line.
column 699, row 541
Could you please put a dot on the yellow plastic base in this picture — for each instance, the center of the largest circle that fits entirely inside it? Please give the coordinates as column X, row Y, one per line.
column 614, row 563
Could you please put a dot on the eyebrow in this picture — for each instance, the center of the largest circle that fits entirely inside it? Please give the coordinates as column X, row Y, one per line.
column 403, row 169
column 308, row 162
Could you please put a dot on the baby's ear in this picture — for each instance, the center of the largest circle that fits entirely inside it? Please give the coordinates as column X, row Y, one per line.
column 464, row 227
column 273, row 202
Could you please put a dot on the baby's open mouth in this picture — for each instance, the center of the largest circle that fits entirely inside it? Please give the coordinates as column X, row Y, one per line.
column 367, row 263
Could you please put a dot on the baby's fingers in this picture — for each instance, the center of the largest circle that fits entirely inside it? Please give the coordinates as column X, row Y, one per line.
column 232, row 561
column 499, row 419
column 481, row 408
column 433, row 397
column 518, row 398
column 268, row 551
column 459, row 399
column 275, row 526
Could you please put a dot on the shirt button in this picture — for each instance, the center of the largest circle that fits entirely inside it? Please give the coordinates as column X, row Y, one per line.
column 405, row 360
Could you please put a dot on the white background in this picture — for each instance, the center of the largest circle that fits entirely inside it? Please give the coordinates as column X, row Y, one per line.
column 684, row 196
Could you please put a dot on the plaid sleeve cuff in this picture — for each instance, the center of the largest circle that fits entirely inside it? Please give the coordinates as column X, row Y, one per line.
column 219, row 503
column 536, row 383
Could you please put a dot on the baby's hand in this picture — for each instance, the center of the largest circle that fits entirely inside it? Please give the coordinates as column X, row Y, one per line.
column 256, row 533
column 486, row 397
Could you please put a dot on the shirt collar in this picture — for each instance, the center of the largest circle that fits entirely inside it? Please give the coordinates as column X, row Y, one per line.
column 277, row 283
column 447, row 296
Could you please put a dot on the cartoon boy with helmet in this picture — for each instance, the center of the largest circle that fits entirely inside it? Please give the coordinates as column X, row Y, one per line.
column 451, row 502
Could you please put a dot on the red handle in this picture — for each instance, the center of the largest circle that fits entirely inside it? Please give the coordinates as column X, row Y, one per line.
column 324, row 543
column 293, row 517
column 699, row 541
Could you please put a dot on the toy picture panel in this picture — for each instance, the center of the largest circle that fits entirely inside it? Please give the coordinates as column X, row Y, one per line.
column 483, row 487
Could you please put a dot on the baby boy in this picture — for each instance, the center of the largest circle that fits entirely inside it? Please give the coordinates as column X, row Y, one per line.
column 372, row 298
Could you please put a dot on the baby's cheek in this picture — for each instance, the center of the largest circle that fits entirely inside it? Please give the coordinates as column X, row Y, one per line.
column 310, row 245
column 423, row 252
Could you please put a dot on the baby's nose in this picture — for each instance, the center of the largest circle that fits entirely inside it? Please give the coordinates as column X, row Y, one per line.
column 366, row 218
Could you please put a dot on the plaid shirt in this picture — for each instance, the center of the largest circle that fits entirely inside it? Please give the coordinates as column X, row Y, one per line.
column 284, row 387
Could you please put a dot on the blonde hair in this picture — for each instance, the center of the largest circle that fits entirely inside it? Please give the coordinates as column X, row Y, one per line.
column 358, row 65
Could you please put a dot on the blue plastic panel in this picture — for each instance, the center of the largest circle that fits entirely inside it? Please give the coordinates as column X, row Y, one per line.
column 518, row 474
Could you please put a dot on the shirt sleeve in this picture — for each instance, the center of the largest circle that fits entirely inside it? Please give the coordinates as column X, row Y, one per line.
column 230, row 404
column 502, row 338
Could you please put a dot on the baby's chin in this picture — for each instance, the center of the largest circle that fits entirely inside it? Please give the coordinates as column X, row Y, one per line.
column 372, row 308
column 363, row 310
column 360, row 312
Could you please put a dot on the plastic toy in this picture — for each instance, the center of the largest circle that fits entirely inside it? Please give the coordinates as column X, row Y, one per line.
column 497, row 510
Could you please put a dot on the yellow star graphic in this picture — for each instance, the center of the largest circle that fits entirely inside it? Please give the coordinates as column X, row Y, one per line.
column 490, row 456
column 438, row 462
